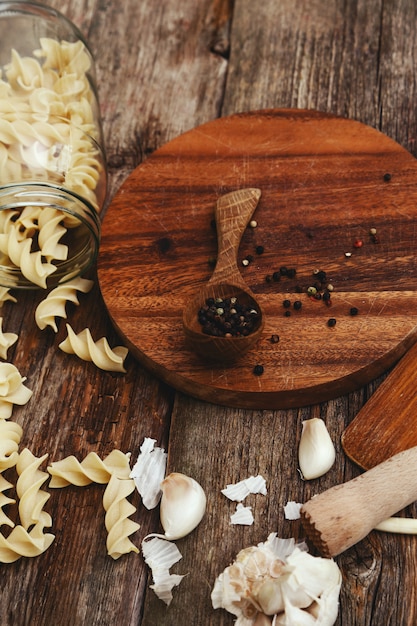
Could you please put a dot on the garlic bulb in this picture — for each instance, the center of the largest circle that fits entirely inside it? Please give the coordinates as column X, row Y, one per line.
column 316, row 452
column 278, row 579
column 183, row 505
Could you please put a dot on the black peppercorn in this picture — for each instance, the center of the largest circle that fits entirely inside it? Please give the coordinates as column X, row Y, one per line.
column 331, row 322
column 259, row 249
column 297, row 305
column 258, row 370
column 274, row 339
column 354, row 311
column 286, row 304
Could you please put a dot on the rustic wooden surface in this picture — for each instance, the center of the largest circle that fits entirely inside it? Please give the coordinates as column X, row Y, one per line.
column 386, row 423
column 164, row 68
column 323, row 188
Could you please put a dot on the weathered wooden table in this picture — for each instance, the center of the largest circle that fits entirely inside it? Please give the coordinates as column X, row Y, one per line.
column 163, row 68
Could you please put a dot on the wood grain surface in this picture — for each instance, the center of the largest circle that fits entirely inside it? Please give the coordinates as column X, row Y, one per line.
column 326, row 182
column 164, row 68
column 386, row 424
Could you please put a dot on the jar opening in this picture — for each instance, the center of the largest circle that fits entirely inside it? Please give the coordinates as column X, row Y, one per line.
column 48, row 235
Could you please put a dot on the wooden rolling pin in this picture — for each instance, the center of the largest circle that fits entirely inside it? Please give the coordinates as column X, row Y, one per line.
column 341, row 516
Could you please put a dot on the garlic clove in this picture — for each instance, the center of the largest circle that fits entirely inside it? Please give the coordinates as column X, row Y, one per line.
column 183, row 505
column 316, row 452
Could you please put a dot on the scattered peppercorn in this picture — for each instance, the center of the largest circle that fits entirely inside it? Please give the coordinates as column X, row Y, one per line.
column 358, row 243
column 373, row 235
column 274, row 339
column 321, row 275
column 297, row 305
column 287, row 313
column 354, row 311
column 312, row 291
column 268, row 278
column 258, row 370
column 331, row 322
column 283, row 270
column 291, row 272
column 259, row 249
column 387, row 177
column 327, row 298
column 253, row 223
column 276, row 276
column 286, row 304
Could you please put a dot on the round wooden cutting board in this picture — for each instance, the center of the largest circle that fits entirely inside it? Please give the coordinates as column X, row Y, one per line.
column 327, row 184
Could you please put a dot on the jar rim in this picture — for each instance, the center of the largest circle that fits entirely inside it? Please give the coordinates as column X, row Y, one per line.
column 45, row 194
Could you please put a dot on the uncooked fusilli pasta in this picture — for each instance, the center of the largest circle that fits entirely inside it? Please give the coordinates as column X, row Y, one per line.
column 5, row 501
column 118, row 510
column 48, row 133
column 10, row 436
column 12, row 389
column 70, row 471
column 54, row 304
column 21, row 542
column 6, row 340
column 31, row 263
column 98, row 352
column 32, row 498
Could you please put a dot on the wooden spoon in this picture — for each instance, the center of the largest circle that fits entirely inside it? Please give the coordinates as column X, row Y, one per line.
column 233, row 212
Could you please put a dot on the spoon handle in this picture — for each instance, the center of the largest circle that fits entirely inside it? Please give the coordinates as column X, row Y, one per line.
column 233, row 212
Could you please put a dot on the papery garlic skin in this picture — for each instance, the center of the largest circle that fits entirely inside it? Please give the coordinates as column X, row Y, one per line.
column 278, row 579
column 316, row 452
column 183, row 505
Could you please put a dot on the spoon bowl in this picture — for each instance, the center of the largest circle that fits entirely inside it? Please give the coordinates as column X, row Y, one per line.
column 233, row 212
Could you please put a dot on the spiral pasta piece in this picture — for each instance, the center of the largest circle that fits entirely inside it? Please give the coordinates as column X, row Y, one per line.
column 70, row 471
column 54, row 304
column 5, row 501
column 10, row 436
column 30, row 263
column 32, row 498
column 51, row 231
column 27, row 222
column 6, row 341
column 12, row 389
column 98, row 352
column 20, row 543
column 118, row 510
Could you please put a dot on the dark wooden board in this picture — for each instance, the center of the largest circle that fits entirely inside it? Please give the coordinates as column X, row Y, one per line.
column 324, row 186
column 386, row 424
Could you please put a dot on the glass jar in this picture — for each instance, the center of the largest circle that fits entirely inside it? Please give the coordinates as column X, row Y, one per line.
column 53, row 176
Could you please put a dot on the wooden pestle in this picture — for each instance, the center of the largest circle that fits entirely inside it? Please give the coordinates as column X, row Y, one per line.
column 341, row 516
